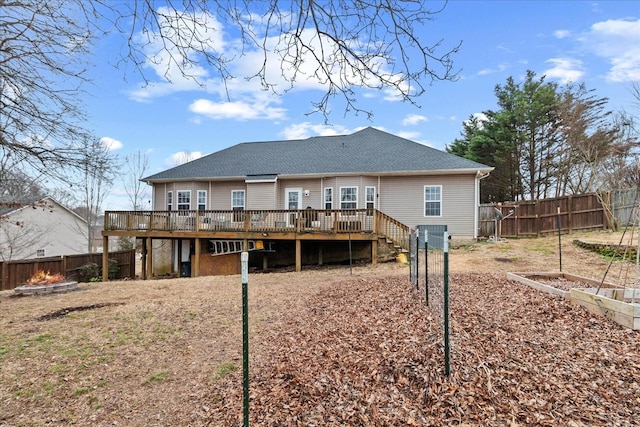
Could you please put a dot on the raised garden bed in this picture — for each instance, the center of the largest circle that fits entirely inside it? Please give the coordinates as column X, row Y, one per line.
column 615, row 304
column 605, row 299
column 556, row 283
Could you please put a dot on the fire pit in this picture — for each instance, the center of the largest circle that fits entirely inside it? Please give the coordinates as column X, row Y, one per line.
column 43, row 282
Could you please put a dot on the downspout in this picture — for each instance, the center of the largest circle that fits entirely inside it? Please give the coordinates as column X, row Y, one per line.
column 479, row 176
column 378, row 195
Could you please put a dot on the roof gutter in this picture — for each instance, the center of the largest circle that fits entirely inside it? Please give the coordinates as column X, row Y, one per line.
column 482, row 175
column 332, row 174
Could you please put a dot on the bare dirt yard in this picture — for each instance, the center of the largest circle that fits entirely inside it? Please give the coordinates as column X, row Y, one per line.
column 328, row 347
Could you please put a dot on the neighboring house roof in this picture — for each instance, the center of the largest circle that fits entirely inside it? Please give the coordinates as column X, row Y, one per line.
column 369, row 151
column 10, row 208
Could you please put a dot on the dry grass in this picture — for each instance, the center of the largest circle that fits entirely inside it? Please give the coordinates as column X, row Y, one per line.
column 169, row 352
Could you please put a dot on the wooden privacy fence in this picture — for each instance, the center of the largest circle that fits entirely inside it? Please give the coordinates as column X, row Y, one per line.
column 15, row 273
column 624, row 206
column 580, row 212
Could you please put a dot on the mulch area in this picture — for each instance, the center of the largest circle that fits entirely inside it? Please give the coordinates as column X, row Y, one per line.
column 368, row 352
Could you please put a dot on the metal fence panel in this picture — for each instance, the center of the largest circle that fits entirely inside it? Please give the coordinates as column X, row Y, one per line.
column 429, row 265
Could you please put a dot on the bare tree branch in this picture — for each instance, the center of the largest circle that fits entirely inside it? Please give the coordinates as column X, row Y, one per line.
column 136, row 166
column 340, row 45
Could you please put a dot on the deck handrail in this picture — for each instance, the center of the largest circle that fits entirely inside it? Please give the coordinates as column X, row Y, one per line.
column 393, row 230
column 262, row 221
column 300, row 220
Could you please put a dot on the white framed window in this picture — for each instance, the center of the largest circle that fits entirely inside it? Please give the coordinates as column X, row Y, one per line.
column 184, row 200
column 348, row 197
column 40, row 253
column 328, row 198
column 202, row 200
column 169, row 200
column 433, row 200
column 370, row 199
column 237, row 204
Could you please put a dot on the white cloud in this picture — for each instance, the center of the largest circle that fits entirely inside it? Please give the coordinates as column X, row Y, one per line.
column 238, row 110
column 504, row 49
column 165, row 60
column 111, row 144
column 182, row 157
column 561, row 34
column 392, row 94
column 566, row 70
column 245, row 96
column 414, row 119
column 148, row 92
column 481, row 118
column 412, row 136
column 305, row 130
column 618, row 41
column 498, row 69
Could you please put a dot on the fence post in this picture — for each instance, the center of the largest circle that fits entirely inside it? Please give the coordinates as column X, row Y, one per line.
column 445, row 250
column 417, row 258
column 537, row 206
column 245, row 337
column 559, row 237
column 3, row 279
column 570, row 209
column 426, row 265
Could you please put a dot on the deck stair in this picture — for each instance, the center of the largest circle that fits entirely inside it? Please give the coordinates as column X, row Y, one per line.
column 393, row 233
column 398, row 248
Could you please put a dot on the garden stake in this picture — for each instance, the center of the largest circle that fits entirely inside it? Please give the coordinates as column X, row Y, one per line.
column 426, row 265
column 244, row 260
column 559, row 238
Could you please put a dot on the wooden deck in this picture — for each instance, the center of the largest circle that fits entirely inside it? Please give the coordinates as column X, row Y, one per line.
column 293, row 225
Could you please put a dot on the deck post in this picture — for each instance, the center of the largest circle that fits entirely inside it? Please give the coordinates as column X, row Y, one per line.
column 144, row 259
column 196, row 259
column 149, row 274
column 298, row 255
column 105, row 258
column 179, row 257
column 374, row 252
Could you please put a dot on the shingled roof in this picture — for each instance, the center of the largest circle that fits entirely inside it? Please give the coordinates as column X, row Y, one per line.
column 369, row 151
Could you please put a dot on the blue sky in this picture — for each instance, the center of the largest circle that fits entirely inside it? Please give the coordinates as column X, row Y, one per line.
column 597, row 43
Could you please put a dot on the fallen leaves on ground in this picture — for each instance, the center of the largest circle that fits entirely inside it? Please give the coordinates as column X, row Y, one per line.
column 368, row 352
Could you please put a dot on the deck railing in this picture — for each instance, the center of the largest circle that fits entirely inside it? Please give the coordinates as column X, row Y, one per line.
column 302, row 220
column 393, row 230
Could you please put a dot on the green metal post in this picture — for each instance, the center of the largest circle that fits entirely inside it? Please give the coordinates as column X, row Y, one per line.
column 417, row 259
column 447, row 368
column 244, row 259
column 426, row 265
column 560, row 237
column 410, row 257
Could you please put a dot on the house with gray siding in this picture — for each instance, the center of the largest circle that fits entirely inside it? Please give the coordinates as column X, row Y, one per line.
column 331, row 183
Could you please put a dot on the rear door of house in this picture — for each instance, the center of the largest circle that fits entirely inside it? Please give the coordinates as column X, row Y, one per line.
column 293, row 200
